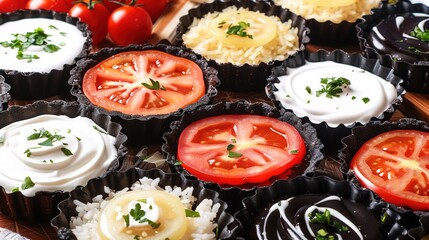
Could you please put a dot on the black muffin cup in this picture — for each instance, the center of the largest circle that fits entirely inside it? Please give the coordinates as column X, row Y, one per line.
column 421, row 231
column 360, row 135
column 4, row 94
column 331, row 137
column 36, row 85
column 233, row 194
column 119, row 180
column 247, row 77
column 143, row 129
column 280, row 190
column 415, row 74
column 42, row 206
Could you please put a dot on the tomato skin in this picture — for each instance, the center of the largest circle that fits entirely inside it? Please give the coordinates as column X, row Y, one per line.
column 129, row 25
column 55, row 5
column 11, row 5
column 96, row 18
column 266, row 147
column 395, row 165
column 112, row 6
column 116, row 84
column 154, row 7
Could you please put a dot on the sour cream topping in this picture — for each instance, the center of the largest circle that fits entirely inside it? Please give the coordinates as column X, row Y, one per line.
column 365, row 97
column 62, row 34
column 56, row 152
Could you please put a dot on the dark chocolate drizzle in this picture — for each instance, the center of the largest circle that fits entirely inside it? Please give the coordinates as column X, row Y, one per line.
column 293, row 224
column 398, row 41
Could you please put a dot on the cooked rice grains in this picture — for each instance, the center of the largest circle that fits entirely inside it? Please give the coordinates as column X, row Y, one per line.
column 202, row 42
column 337, row 14
column 85, row 225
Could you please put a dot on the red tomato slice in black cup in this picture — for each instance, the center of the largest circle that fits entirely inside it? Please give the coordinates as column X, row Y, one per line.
column 148, row 82
column 239, row 149
column 395, row 165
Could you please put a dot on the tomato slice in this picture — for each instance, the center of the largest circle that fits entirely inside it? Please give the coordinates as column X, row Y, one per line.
column 146, row 82
column 239, row 149
column 395, row 165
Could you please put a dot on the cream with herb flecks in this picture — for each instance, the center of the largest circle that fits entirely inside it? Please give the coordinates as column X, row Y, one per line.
column 49, row 153
column 334, row 92
column 39, row 44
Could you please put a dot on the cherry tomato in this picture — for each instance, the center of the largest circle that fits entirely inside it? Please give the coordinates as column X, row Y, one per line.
column 395, row 165
column 144, row 83
column 154, row 7
column 239, row 149
column 129, row 25
column 112, row 5
column 95, row 15
column 11, row 5
column 55, row 5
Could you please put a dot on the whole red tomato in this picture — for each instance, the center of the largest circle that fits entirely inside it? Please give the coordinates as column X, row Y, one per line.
column 154, row 7
column 56, row 5
column 95, row 15
column 113, row 5
column 129, row 25
column 11, row 5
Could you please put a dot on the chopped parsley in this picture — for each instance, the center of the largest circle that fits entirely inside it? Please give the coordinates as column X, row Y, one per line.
column 23, row 41
column 191, row 213
column 353, row 97
column 27, row 184
column 384, row 218
column 324, row 218
column 308, row 89
column 154, row 85
column 232, row 154
column 27, row 152
column 420, row 35
column 177, row 163
column 238, row 30
column 66, row 151
column 294, row 152
column 139, row 216
column 332, row 86
column 42, row 133
column 365, row 100
column 98, row 129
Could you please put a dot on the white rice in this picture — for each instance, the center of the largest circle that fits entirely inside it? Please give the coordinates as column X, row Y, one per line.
column 284, row 44
column 334, row 14
column 85, row 225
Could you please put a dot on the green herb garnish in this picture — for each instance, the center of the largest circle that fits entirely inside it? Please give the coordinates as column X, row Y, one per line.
column 332, row 86
column 127, row 220
column 365, row 100
column 294, row 152
column 155, row 85
column 324, row 218
column 178, row 163
column 322, row 234
column 191, row 213
column 66, row 151
column 384, row 218
column 239, row 30
column 420, row 35
column 308, row 89
column 52, row 27
column 42, row 133
column 15, row 189
column 28, row 152
column 234, row 154
column 23, row 41
column 98, row 129
column 230, row 147
column 353, row 97
column 28, row 183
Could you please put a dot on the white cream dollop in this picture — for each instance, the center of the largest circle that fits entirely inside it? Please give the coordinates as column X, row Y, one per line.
column 81, row 151
column 62, row 34
column 346, row 109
